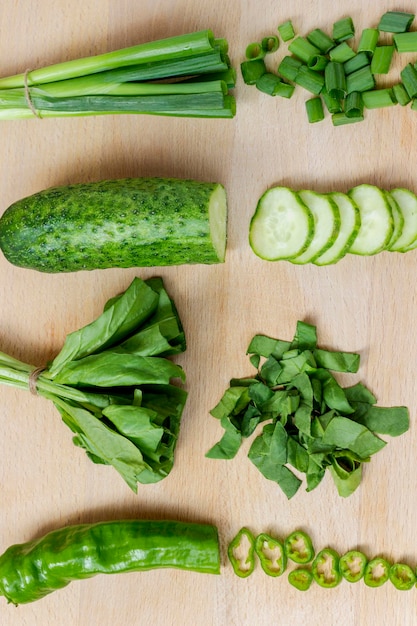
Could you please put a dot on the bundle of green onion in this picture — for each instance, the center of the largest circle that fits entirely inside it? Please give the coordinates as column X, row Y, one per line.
column 111, row 383
column 184, row 76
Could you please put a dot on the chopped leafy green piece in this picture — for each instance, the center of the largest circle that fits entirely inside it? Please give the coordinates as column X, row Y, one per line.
column 311, row 422
column 344, row 433
column 234, row 400
column 229, row 444
column 266, row 346
column 337, row 361
column 305, row 337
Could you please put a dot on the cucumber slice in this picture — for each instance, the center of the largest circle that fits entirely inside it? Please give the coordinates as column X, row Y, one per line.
column 407, row 203
column 326, row 225
column 398, row 218
column 377, row 223
column 350, row 221
column 282, row 225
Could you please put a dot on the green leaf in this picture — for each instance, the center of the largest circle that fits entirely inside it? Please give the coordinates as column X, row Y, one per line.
column 270, row 371
column 348, row 483
column 104, row 444
column 260, row 455
column 234, row 400
column 266, row 346
column 167, row 317
column 344, row 433
column 297, row 455
column 302, row 418
column 292, row 367
column 305, row 337
column 168, row 402
column 137, row 424
column 315, row 472
column 359, row 394
column 393, row 421
column 337, row 361
column 333, row 394
column 147, row 342
column 268, row 453
column 272, row 443
column 260, row 394
column 250, row 420
column 229, row 444
column 126, row 312
column 111, row 369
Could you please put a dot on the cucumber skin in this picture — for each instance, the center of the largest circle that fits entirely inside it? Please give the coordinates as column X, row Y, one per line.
column 131, row 222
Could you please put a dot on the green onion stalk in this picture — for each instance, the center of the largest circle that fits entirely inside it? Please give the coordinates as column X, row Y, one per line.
column 183, row 76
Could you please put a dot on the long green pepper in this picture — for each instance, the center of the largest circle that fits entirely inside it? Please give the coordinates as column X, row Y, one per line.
column 32, row 570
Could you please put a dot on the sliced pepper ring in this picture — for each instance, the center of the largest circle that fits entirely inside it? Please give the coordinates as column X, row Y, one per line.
column 301, row 578
column 271, row 554
column 299, row 547
column 352, row 565
column 376, row 572
column 325, row 568
column 241, row 553
column 402, row 576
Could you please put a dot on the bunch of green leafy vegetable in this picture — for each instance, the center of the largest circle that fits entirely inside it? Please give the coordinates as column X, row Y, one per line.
column 184, row 76
column 112, row 383
column 310, row 421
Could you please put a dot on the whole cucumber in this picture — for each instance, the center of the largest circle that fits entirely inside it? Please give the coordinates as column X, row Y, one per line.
column 133, row 222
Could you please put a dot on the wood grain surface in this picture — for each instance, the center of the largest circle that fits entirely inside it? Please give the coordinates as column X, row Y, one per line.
column 365, row 305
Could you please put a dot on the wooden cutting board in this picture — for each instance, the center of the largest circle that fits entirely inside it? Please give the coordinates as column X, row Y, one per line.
column 365, row 305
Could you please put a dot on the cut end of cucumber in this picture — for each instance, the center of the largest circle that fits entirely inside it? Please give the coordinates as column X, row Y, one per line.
column 218, row 221
column 281, row 227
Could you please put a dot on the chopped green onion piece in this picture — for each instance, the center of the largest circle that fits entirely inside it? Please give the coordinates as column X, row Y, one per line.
column 335, row 80
column 395, row 22
column 368, row 40
column 340, row 119
column 310, row 80
column 400, row 94
column 288, row 68
column 409, row 79
column 318, row 63
column 378, row 98
column 321, row 40
column 361, row 80
column 356, row 63
column 270, row 44
column 252, row 70
column 381, row 60
column 254, row 50
column 406, row 42
column 341, row 53
column 303, row 49
column 343, row 29
column 333, row 105
column 286, row 30
column 284, row 90
column 267, row 83
column 314, row 108
column 354, row 104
